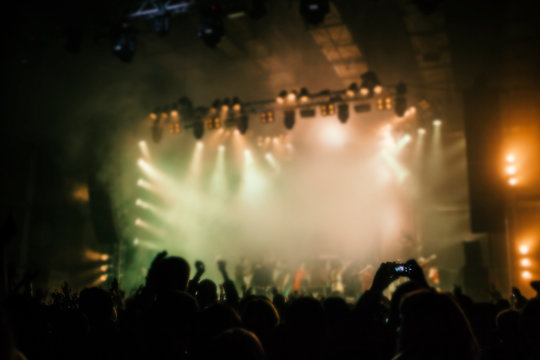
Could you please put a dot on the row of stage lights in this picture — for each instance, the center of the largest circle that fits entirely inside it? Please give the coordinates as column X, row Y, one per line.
column 230, row 113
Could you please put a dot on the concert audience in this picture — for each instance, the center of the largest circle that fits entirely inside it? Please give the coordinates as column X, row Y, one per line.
column 171, row 317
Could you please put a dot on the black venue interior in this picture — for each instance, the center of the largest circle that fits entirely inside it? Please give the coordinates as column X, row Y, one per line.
column 270, row 179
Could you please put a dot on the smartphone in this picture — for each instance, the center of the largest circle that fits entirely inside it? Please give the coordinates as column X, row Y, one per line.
column 401, row 269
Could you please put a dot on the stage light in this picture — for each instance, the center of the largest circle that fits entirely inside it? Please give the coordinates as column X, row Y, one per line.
column 526, row 262
column 291, row 97
column 511, row 169
column 526, row 275
column 162, row 23
column 153, row 115
column 213, row 123
column 307, row 113
column 174, row 126
column 304, row 95
column 388, row 103
column 328, row 109
column 237, row 106
column 314, row 11
column 289, row 118
column 124, row 43
column 400, row 101
column 198, row 129
column 437, row 122
column 242, row 122
column 377, row 89
column 523, row 249
column 103, row 278
column 225, row 105
column 510, row 158
column 104, row 257
column 513, row 181
column 370, row 81
column 103, row 267
column 352, row 90
column 280, row 99
column 364, row 91
column 211, row 28
column 421, row 131
column 343, row 112
column 267, row 117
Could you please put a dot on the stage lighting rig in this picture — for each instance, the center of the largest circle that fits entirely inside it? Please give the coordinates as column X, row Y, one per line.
column 280, row 99
column 124, row 42
column 211, row 28
column 267, row 116
column 242, row 123
column 328, row 109
column 162, row 24
column 198, row 124
column 343, row 112
column 370, row 84
column 352, row 90
column 151, row 9
column 304, row 95
column 314, row 11
column 289, row 118
column 185, row 109
column 400, row 105
column 236, row 104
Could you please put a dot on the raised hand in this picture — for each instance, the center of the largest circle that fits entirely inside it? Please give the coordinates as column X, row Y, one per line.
column 416, row 273
column 384, row 277
column 222, row 264
column 199, row 265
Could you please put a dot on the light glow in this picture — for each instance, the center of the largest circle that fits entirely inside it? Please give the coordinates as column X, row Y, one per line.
column 510, row 158
column 524, row 249
column 513, row 181
column 526, row 262
column 526, row 275
column 511, row 169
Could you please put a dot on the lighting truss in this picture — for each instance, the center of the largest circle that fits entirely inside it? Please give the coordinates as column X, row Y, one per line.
column 153, row 8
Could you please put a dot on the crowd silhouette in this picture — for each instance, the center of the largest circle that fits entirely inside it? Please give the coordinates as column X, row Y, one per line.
column 173, row 316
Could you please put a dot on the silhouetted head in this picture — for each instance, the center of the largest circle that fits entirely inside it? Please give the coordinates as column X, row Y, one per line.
column 217, row 318
column 336, row 309
column 97, row 305
column 236, row 343
column 169, row 273
column 305, row 315
column 176, row 310
column 434, row 326
column 207, row 293
column 260, row 316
